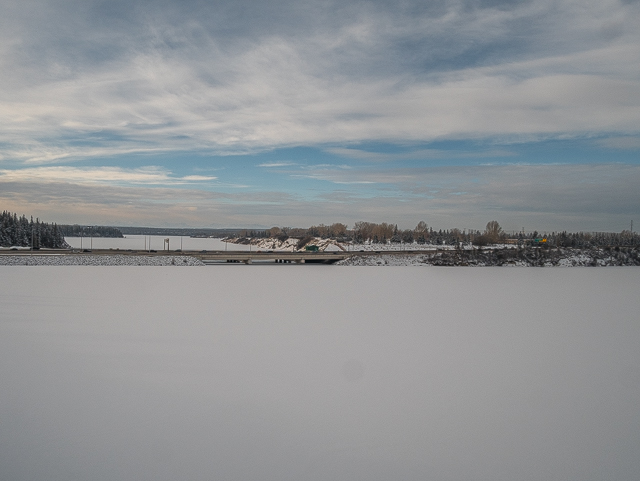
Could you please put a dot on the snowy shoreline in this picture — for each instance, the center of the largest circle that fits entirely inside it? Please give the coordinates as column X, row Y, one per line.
column 88, row 260
column 451, row 258
column 563, row 257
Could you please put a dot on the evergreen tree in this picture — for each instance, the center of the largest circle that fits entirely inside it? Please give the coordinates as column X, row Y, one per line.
column 19, row 231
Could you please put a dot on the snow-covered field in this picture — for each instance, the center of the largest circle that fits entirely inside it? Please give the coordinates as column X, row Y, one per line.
column 319, row 373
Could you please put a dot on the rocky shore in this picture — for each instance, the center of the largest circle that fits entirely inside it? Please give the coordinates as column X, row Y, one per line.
column 524, row 257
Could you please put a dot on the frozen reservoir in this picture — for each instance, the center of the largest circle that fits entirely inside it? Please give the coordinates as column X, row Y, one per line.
column 319, row 373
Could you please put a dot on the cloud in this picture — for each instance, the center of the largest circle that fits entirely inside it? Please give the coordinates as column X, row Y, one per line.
column 193, row 77
column 542, row 197
column 620, row 143
column 34, row 152
column 99, row 175
column 276, row 164
column 420, row 154
column 196, row 178
column 93, row 80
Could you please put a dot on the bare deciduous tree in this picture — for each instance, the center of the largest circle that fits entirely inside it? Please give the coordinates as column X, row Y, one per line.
column 493, row 231
column 421, row 227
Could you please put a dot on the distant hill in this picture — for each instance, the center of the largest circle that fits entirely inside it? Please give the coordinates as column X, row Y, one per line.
column 175, row 231
column 87, row 231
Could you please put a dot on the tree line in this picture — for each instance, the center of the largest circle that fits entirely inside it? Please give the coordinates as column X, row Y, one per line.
column 20, row 231
column 384, row 233
column 89, row 231
column 361, row 232
column 23, row 232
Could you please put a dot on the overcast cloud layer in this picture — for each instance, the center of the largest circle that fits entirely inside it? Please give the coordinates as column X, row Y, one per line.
column 202, row 94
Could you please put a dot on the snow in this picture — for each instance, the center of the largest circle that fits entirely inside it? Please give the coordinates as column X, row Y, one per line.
column 275, row 244
column 369, row 246
column 319, row 373
column 141, row 242
column 384, row 260
column 565, row 257
column 291, row 244
column 101, row 260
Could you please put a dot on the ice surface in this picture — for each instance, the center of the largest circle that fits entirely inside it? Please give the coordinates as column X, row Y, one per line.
column 319, row 373
column 138, row 242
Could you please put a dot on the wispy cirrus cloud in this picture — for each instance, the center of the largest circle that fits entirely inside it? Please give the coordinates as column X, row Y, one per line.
column 208, row 78
column 544, row 197
column 272, row 165
column 93, row 89
column 100, row 175
column 419, row 154
column 620, row 143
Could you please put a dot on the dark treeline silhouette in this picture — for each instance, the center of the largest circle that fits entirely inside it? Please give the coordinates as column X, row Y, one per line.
column 385, row 233
column 89, row 231
column 537, row 257
column 20, row 231
column 179, row 231
column 594, row 239
column 23, row 232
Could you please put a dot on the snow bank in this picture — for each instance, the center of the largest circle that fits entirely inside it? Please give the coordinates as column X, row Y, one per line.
column 290, row 244
column 384, row 260
column 82, row 260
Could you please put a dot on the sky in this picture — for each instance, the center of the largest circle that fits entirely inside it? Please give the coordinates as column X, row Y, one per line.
column 248, row 113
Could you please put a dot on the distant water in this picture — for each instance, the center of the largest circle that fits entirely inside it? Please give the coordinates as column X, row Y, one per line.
column 319, row 373
column 141, row 242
